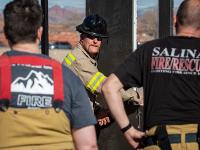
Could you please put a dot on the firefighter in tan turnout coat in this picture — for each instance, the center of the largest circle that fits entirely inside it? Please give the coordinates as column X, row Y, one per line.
column 82, row 60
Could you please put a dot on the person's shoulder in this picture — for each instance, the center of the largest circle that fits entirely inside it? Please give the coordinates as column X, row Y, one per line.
column 70, row 78
column 65, row 69
column 78, row 54
column 80, row 57
column 68, row 73
column 154, row 42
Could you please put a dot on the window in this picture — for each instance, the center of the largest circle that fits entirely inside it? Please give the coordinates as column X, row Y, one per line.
column 64, row 16
column 147, row 20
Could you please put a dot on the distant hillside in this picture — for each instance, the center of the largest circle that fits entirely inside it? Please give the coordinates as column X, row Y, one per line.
column 68, row 16
column 63, row 20
column 62, row 23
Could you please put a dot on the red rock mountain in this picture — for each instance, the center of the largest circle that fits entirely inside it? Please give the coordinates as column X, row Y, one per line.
column 62, row 23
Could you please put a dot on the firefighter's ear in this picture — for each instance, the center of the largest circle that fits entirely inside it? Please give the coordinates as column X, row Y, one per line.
column 82, row 36
column 39, row 33
column 174, row 20
column 175, row 24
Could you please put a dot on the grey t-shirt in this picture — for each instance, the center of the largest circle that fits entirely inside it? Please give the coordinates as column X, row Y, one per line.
column 33, row 87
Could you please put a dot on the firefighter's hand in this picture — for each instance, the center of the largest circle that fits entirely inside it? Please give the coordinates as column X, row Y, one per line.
column 139, row 100
column 103, row 121
column 132, row 96
column 102, row 115
column 134, row 136
column 136, row 99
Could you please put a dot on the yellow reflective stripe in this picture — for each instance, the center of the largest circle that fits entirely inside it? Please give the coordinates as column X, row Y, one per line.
column 95, row 81
column 69, row 58
column 98, row 83
column 67, row 61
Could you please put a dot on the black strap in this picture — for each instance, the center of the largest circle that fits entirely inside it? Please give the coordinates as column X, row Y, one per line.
column 58, row 105
column 4, row 104
column 162, row 138
column 126, row 128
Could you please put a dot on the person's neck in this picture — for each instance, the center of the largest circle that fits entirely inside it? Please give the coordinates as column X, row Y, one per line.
column 189, row 33
column 26, row 47
column 93, row 55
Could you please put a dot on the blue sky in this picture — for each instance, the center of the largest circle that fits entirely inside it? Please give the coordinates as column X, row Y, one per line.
column 70, row 3
column 81, row 3
column 62, row 3
column 150, row 3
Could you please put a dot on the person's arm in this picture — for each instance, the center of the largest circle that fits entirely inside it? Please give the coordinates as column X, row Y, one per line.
column 78, row 109
column 111, row 90
column 85, row 138
column 91, row 77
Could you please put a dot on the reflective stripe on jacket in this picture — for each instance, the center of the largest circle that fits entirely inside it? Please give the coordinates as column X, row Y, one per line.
column 86, row 68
